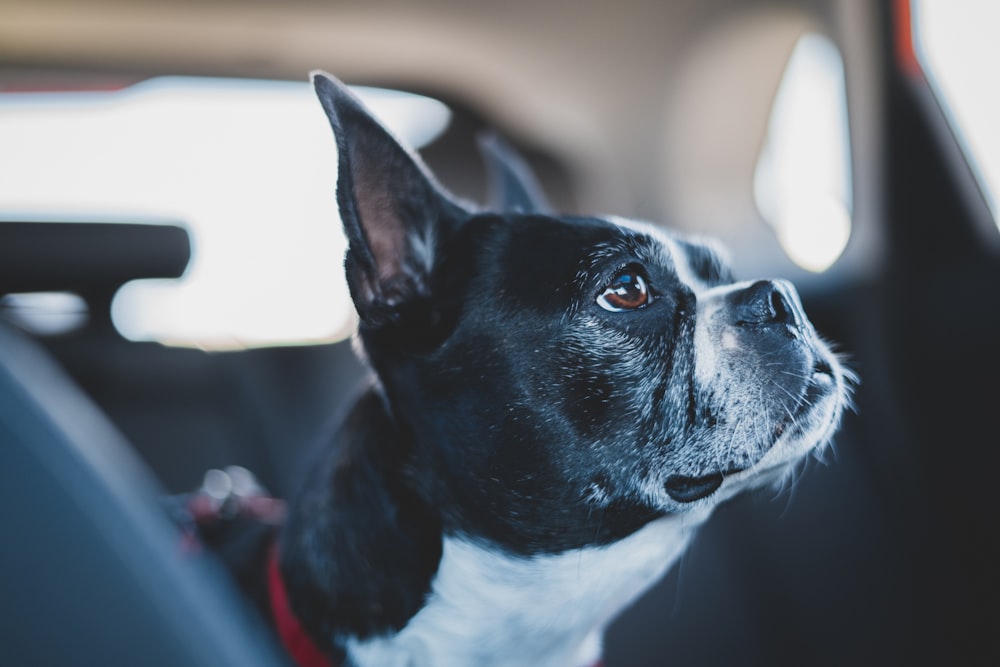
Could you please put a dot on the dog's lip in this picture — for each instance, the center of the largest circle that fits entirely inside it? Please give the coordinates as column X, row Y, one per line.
column 821, row 381
column 686, row 489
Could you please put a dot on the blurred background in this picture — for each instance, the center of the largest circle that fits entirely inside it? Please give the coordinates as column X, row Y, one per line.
column 170, row 255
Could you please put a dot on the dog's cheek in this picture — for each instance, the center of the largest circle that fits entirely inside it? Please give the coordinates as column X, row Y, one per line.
column 589, row 393
column 610, row 395
column 601, row 391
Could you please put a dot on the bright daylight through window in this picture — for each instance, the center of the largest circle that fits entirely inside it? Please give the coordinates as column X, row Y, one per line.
column 802, row 184
column 956, row 44
column 248, row 166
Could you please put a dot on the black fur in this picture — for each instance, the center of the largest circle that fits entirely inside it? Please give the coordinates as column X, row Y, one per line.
column 511, row 408
column 359, row 550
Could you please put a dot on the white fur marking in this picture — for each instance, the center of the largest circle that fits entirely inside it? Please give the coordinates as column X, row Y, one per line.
column 491, row 609
column 729, row 340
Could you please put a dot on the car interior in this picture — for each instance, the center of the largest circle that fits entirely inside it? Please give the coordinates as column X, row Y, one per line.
column 820, row 141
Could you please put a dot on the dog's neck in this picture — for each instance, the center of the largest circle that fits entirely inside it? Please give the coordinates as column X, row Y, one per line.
column 366, row 566
column 495, row 610
column 359, row 548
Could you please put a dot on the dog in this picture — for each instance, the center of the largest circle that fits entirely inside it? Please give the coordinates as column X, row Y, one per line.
column 558, row 403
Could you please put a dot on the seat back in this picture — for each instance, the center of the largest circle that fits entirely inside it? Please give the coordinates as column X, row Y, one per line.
column 91, row 569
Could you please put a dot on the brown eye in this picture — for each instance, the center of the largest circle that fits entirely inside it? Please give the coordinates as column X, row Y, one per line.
column 626, row 291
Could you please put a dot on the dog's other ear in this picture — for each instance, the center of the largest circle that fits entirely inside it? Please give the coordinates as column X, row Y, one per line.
column 394, row 213
column 513, row 186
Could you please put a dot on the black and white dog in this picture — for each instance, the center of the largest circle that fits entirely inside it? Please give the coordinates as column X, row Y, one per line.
column 560, row 402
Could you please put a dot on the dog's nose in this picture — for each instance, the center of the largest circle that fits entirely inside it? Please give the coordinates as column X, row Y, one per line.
column 767, row 302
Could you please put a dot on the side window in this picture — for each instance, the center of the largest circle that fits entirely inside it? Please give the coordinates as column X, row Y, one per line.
column 956, row 47
column 802, row 182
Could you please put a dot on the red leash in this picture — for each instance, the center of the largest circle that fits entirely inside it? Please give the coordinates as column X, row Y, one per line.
column 234, row 494
column 293, row 636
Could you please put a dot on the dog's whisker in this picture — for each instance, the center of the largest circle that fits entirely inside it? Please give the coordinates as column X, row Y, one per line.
column 799, row 376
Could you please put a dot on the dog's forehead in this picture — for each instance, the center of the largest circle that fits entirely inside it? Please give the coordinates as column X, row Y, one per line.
column 697, row 260
column 555, row 238
column 515, row 265
column 536, row 271
column 550, row 250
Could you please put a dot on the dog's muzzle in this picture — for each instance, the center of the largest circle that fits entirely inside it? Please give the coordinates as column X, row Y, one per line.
column 764, row 319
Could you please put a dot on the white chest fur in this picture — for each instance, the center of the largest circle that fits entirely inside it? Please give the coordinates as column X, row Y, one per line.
column 494, row 610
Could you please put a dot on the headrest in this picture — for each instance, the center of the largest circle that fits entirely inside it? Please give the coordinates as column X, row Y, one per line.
column 87, row 257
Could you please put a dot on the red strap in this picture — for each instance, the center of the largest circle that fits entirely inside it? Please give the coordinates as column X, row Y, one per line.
column 293, row 636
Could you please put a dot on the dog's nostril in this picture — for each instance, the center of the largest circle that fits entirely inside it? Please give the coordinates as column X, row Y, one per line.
column 764, row 302
column 779, row 308
column 689, row 489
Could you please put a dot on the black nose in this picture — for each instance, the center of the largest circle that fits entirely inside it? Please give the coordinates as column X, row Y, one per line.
column 767, row 302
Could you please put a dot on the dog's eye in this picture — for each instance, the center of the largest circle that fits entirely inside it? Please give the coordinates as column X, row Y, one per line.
column 626, row 291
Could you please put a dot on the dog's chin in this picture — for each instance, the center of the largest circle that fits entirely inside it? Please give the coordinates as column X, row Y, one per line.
column 807, row 430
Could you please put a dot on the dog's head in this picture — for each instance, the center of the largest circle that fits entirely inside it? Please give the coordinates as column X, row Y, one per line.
column 565, row 380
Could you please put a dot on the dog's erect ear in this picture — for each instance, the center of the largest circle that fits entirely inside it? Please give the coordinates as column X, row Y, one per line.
column 513, row 186
column 394, row 213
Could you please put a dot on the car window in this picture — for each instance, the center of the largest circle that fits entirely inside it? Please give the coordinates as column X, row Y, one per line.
column 955, row 44
column 248, row 166
column 802, row 183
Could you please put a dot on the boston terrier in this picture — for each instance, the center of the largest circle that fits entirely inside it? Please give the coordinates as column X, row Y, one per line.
column 558, row 403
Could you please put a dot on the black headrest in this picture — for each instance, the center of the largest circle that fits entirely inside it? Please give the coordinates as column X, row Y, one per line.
column 88, row 257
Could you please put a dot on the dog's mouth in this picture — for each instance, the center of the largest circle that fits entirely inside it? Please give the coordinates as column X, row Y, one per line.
column 822, row 383
column 685, row 489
